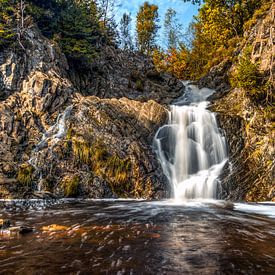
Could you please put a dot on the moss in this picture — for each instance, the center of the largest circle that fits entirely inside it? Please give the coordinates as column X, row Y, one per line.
column 25, row 174
column 139, row 85
column 82, row 151
column 70, row 133
column 103, row 164
column 118, row 169
column 70, row 186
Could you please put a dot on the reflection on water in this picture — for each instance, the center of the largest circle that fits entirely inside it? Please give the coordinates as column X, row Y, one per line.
column 139, row 237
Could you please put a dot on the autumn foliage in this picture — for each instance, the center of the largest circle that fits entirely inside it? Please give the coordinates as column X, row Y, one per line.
column 216, row 31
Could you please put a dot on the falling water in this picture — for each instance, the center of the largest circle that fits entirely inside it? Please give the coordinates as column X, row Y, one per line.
column 49, row 139
column 190, row 147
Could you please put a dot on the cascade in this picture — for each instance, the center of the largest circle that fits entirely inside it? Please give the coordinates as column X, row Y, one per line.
column 49, row 139
column 190, row 148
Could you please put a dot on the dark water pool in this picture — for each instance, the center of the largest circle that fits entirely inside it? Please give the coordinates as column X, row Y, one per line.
column 139, row 237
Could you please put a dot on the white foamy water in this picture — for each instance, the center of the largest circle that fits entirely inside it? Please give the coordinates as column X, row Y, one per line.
column 190, row 147
column 49, row 139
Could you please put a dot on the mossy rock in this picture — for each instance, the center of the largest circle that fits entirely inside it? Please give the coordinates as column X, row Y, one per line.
column 104, row 164
column 25, row 174
column 70, row 186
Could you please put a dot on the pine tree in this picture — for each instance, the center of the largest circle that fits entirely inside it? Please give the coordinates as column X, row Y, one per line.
column 125, row 32
column 7, row 22
column 172, row 29
column 147, row 27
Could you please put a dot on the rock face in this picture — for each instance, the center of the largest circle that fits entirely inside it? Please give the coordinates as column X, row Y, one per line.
column 80, row 133
column 248, row 127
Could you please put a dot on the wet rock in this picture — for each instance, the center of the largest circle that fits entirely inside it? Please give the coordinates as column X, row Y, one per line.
column 44, row 195
column 4, row 224
column 20, row 230
column 25, row 230
column 55, row 227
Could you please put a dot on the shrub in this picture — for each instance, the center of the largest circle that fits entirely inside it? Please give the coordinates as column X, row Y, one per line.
column 25, row 174
column 247, row 76
column 70, row 186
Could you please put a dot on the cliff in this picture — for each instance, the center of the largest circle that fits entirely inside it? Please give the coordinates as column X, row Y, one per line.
column 72, row 131
column 248, row 126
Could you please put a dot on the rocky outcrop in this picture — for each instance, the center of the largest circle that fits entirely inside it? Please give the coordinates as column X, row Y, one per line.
column 217, row 79
column 80, row 132
column 248, row 126
column 115, row 74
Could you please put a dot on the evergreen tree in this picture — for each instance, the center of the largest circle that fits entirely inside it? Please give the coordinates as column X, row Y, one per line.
column 78, row 29
column 7, row 22
column 73, row 24
column 172, row 29
column 147, row 27
column 125, row 32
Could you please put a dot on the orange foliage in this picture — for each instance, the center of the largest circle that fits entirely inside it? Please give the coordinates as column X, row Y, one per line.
column 173, row 61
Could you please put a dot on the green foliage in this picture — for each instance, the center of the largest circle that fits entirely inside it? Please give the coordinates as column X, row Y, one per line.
column 77, row 30
column 103, row 164
column 25, row 174
column 118, row 169
column 257, row 14
column 125, row 32
column 7, row 23
column 247, row 76
column 82, row 151
column 70, row 186
column 146, row 27
column 172, row 29
column 73, row 24
column 216, row 32
column 139, row 85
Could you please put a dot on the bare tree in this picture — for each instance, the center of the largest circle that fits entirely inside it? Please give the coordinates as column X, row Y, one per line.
column 107, row 9
column 21, row 22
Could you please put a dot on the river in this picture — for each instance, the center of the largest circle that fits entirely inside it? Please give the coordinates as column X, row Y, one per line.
column 139, row 237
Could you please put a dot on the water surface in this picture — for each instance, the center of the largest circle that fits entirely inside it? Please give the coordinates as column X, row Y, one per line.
column 140, row 237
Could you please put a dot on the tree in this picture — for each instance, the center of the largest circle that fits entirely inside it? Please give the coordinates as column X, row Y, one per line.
column 125, row 32
column 7, row 22
column 147, row 27
column 216, row 30
column 78, row 29
column 108, row 25
column 173, row 61
column 106, row 10
column 73, row 24
column 21, row 19
column 172, row 29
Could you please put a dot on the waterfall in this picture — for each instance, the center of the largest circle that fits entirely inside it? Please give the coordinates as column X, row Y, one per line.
column 49, row 139
column 191, row 150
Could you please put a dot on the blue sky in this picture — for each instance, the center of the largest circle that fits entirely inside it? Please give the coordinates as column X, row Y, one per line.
column 185, row 11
